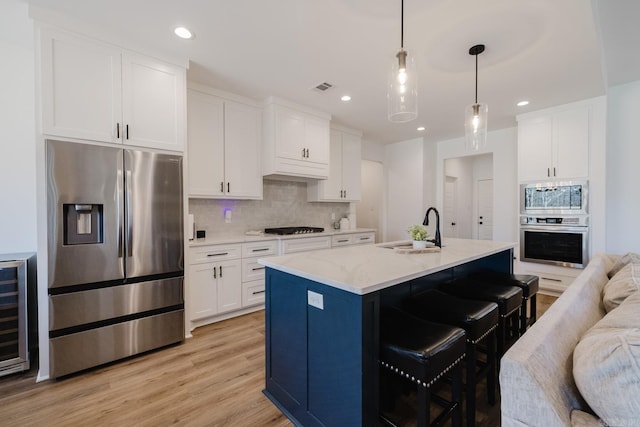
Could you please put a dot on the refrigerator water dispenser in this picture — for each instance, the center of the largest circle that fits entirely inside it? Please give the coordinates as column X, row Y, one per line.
column 82, row 224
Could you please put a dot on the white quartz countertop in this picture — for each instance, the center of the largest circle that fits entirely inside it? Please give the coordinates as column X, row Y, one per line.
column 243, row 238
column 369, row 268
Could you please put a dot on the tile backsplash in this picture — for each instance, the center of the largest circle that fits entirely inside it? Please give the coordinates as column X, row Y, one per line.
column 284, row 204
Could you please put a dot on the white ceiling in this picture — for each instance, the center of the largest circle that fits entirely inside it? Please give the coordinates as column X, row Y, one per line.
column 545, row 51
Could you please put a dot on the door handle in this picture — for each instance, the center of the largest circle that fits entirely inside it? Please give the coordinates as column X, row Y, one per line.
column 222, row 187
column 118, row 130
column 127, row 131
column 215, row 274
column 228, row 187
column 220, row 271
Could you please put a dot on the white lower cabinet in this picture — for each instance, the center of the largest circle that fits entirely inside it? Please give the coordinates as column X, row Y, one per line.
column 215, row 280
column 303, row 244
column 224, row 279
column 347, row 239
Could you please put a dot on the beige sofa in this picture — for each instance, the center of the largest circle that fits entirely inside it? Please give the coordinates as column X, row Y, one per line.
column 537, row 386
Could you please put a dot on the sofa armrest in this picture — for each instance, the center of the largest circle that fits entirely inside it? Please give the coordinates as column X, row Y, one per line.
column 536, row 373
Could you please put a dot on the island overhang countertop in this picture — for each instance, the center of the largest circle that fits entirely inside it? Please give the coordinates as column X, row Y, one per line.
column 369, row 268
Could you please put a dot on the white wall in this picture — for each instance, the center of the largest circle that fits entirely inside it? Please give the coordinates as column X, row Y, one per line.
column 623, row 169
column 17, row 113
column 372, row 151
column 405, row 190
column 503, row 145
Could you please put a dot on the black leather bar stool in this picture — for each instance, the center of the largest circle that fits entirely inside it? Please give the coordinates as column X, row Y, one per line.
column 479, row 319
column 422, row 353
column 529, row 285
column 508, row 298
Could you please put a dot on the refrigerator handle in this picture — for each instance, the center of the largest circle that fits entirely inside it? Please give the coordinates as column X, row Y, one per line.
column 119, row 207
column 129, row 210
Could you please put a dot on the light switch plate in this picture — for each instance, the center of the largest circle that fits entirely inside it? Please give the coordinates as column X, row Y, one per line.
column 315, row 299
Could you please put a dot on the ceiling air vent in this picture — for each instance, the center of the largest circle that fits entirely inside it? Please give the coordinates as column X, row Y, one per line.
column 322, row 87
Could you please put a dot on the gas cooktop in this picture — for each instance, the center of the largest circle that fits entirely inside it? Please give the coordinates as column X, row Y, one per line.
column 293, row 230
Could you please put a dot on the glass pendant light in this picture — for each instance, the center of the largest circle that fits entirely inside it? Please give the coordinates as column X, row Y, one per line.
column 402, row 87
column 476, row 114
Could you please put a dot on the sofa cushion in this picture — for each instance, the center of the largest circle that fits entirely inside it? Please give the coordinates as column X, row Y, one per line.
column 619, row 287
column 606, row 365
column 622, row 261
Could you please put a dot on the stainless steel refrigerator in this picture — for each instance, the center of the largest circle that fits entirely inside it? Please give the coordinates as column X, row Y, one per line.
column 115, row 253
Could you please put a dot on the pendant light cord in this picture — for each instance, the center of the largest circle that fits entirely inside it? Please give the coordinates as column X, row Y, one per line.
column 401, row 24
column 476, row 78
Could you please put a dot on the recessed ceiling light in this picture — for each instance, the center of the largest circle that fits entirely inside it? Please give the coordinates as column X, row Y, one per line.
column 421, row 128
column 183, row 32
column 345, row 98
column 522, row 103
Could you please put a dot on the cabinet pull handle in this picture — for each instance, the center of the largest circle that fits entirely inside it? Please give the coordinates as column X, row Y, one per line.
column 257, row 292
column 215, row 275
column 127, row 131
column 257, row 268
column 220, row 271
column 303, row 153
column 259, row 250
column 307, row 153
column 548, row 172
column 222, row 187
column 118, row 130
column 228, row 187
column 554, row 171
column 345, row 194
column 219, row 254
column 364, row 238
column 343, row 241
column 552, row 279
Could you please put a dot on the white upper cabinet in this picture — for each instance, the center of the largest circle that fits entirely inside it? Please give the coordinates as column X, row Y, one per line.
column 98, row 92
column 344, row 182
column 554, row 145
column 224, row 148
column 296, row 141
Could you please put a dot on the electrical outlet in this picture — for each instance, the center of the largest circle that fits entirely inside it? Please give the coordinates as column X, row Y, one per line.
column 315, row 299
column 227, row 216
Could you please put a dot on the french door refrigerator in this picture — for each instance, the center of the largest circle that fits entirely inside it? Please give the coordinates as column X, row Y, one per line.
column 115, row 253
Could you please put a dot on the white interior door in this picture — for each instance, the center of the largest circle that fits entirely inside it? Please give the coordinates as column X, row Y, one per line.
column 485, row 209
column 449, row 221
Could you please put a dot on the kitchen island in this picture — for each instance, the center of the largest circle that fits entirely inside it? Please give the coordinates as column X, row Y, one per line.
column 322, row 321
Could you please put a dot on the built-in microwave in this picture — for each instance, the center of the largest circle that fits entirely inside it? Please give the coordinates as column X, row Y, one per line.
column 554, row 198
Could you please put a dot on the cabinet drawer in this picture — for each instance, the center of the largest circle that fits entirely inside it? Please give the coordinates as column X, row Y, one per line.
column 305, row 244
column 214, row 253
column 342, row 240
column 260, row 249
column 253, row 293
column 251, row 270
column 364, row 238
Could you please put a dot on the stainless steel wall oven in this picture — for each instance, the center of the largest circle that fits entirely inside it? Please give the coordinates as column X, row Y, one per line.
column 562, row 241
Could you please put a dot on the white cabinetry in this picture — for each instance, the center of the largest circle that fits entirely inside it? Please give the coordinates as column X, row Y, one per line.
column 253, row 288
column 215, row 280
column 553, row 145
column 303, row 244
column 224, row 146
column 94, row 91
column 348, row 239
column 344, row 183
column 296, row 141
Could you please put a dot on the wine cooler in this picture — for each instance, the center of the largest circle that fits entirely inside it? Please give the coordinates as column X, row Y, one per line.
column 14, row 337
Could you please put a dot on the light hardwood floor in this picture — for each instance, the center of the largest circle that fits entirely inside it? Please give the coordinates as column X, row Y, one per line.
column 213, row 379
